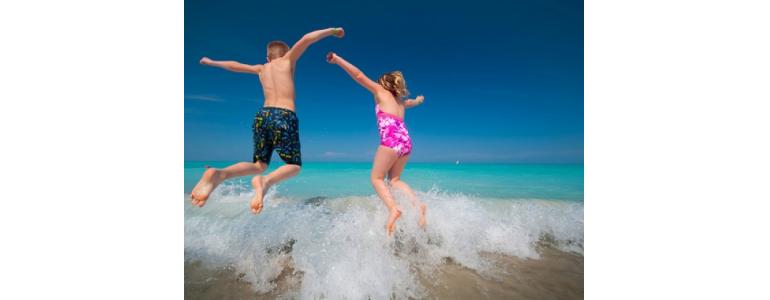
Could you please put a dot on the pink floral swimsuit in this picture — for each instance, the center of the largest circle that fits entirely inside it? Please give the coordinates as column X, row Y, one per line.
column 393, row 133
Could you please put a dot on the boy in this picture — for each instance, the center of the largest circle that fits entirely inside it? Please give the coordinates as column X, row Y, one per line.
column 275, row 125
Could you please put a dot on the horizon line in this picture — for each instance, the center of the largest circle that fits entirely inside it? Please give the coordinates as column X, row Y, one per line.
column 412, row 162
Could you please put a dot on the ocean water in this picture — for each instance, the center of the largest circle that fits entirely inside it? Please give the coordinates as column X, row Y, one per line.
column 504, row 181
column 494, row 231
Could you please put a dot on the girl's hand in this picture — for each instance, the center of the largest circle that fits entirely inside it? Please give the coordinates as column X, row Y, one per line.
column 330, row 57
column 205, row 61
column 420, row 99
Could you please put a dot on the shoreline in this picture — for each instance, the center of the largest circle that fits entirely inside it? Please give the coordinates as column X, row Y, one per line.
column 555, row 275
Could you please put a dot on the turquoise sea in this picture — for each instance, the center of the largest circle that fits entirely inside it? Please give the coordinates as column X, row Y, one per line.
column 502, row 181
column 495, row 231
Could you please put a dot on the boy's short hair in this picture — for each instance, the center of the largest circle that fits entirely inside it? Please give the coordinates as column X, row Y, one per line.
column 276, row 49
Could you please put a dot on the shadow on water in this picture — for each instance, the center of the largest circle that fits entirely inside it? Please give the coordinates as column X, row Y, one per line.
column 315, row 201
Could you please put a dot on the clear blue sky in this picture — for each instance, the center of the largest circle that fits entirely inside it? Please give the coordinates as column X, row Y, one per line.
column 503, row 81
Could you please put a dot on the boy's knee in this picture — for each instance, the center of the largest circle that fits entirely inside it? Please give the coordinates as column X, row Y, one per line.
column 292, row 168
column 261, row 166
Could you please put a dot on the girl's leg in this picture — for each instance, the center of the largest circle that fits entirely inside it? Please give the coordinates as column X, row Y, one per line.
column 383, row 161
column 395, row 180
column 213, row 177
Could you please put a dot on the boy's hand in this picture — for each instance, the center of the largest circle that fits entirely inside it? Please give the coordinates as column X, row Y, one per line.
column 339, row 32
column 330, row 57
column 205, row 61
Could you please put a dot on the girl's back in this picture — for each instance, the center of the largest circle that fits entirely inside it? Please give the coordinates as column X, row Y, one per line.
column 388, row 103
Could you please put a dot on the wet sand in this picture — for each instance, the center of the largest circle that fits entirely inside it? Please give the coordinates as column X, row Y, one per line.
column 555, row 275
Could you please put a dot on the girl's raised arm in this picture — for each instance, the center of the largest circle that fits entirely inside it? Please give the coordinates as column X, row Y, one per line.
column 409, row 103
column 354, row 72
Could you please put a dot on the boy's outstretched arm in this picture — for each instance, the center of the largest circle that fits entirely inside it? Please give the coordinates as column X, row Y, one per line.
column 308, row 39
column 233, row 66
column 354, row 72
column 414, row 102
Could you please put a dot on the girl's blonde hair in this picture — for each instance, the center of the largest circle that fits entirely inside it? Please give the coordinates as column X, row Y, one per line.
column 395, row 83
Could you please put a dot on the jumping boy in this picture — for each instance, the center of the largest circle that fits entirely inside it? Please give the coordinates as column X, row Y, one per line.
column 275, row 125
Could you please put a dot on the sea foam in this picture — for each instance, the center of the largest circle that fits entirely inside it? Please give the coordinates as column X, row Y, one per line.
column 340, row 248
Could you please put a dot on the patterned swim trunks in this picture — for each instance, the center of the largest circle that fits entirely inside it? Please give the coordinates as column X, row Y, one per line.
column 276, row 128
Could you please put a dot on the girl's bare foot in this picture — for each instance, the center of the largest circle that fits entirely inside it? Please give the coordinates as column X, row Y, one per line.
column 258, row 182
column 394, row 215
column 209, row 181
column 422, row 221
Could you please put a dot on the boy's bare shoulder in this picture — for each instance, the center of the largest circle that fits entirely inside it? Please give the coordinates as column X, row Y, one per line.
column 281, row 63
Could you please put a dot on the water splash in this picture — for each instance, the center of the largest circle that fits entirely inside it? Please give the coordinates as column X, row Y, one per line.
column 339, row 249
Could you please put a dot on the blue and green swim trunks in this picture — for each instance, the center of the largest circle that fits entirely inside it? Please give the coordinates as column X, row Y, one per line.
column 276, row 129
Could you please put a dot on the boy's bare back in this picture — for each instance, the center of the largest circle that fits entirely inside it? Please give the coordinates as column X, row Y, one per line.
column 277, row 79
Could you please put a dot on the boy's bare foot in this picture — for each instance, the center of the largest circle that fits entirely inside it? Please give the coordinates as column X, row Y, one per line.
column 209, row 181
column 422, row 221
column 394, row 215
column 258, row 182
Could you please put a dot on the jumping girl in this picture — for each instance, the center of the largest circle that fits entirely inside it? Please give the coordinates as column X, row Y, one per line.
column 395, row 144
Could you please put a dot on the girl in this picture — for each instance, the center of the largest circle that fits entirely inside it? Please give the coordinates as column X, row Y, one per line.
column 395, row 145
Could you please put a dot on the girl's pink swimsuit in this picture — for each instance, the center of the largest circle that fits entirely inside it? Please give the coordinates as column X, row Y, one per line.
column 393, row 133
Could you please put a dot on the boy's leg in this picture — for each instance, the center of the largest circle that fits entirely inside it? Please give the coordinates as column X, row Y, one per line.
column 395, row 180
column 288, row 148
column 262, row 183
column 243, row 169
column 383, row 161
column 213, row 177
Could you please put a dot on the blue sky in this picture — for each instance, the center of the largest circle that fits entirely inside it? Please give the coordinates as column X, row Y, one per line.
column 503, row 81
